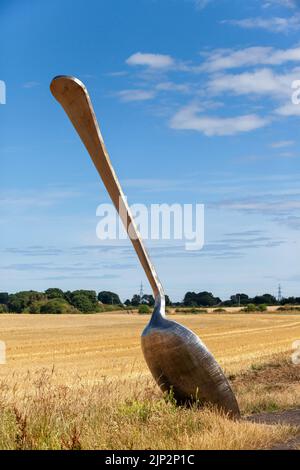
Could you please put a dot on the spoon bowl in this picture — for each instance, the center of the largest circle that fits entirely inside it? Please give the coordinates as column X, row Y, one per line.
column 182, row 365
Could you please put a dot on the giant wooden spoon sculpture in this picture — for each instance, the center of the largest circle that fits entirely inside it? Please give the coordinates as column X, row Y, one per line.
column 177, row 358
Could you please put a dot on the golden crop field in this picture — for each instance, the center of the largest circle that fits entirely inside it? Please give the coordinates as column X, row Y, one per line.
column 80, row 381
column 109, row 344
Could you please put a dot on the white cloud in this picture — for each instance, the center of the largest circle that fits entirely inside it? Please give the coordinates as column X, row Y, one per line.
column 288, row 109
column 136, row 95
column 259, row 82
column 282, row 143
column 262, row 206
column 188, row 118
column 288, row 154
column 200, row 4
column 275, row 24
column 283, row 3
column 35, row 198
column 251, row 56
column 30, row 84
column 171, row 86
column 154, row 61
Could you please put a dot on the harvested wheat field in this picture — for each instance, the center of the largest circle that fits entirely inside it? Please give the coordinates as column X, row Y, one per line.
column 80, row 382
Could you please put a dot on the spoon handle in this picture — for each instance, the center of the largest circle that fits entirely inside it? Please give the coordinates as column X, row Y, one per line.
column 74, row 98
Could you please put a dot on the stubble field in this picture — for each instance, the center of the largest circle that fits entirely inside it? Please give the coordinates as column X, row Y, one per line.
column 80, row 381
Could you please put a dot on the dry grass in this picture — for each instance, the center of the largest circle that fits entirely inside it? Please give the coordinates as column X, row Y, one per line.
column 80, row 382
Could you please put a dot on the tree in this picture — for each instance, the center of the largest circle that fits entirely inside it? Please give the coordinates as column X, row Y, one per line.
column 84, row 300
column 54, row 306
column 168, row 301
column 3, row 308
column 68, row 296
column 109, row 298
column 15, row 304
column 290, row 301
column 239, row 299
column 267, row 299
column 3, row 298
column 206, row 299
column 136, row 300
column 54, row 293
column 190, row 299
column 21, row 300
column 127, row 302
column 148, row 299
column 202, row 299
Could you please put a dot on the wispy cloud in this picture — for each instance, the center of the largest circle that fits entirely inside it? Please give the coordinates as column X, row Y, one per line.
column 171, row 86
column 281, row 205
column 282, row 144
column 75, row 268
column 259, row 76
column 282, row 3
column 121, row 73
column 201, row 4
column 188, row 118
column 259, row 82
column 288, row 109
column 274, row 24
column 79, row 276
column 154, row 61
column 34, row 251
column 222, row 59
column 36, row 198
column 31, row 84
column 136, row 95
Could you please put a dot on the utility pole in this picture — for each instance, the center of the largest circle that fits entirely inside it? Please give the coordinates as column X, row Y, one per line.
column 141, row 291
column 279, row 294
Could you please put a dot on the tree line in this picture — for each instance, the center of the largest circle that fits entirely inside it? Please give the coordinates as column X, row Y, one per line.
column 55, row 300
column 207, row 299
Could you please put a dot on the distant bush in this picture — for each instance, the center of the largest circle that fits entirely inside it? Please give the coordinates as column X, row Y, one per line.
column 262, row 308
column 55, row 306
column 219, row 310
column 111, row 308
column 190, row 310
column 3, row 308
column 288, row 308
column 144, row 309
column 35, row 307
column 250, row 308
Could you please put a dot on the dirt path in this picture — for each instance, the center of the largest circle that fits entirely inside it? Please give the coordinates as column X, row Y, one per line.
column 291, row 417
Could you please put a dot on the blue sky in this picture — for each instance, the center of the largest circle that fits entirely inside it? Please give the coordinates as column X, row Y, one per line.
column 194, row 102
